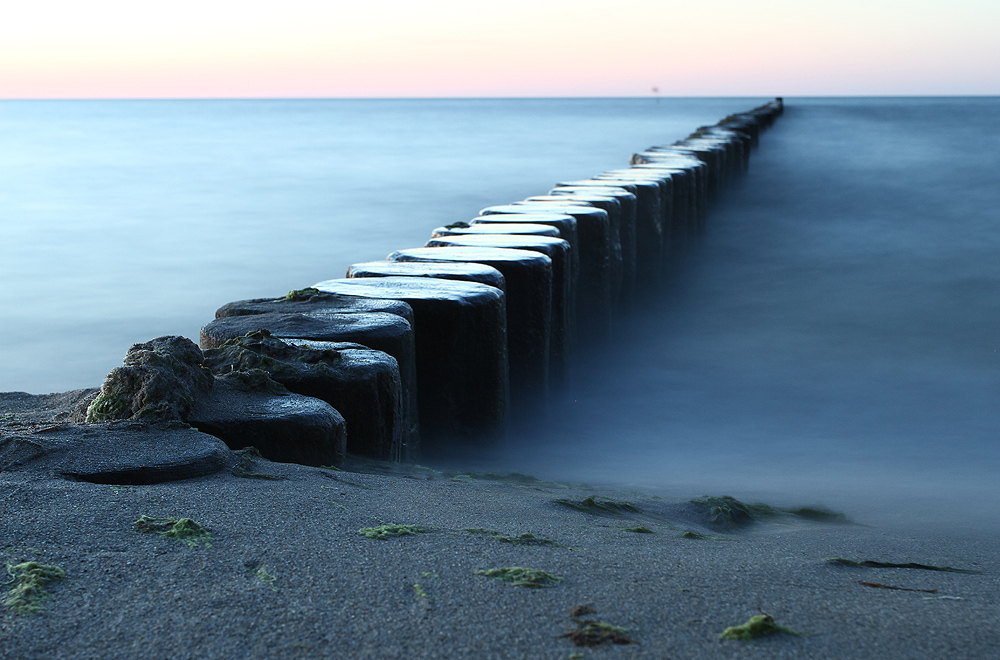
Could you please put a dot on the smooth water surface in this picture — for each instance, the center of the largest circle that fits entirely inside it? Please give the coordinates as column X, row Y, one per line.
column 121, row 221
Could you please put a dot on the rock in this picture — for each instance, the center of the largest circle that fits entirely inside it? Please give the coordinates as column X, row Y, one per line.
column 114, row 452
column 362, row 384
column 244, row 410
column 461, row 346
column 160, row 381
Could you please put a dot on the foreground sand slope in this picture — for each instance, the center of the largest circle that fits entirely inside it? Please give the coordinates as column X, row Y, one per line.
column 288, row 575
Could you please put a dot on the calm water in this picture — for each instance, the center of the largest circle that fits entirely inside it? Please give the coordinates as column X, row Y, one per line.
column 834, row 338
column 123, row 221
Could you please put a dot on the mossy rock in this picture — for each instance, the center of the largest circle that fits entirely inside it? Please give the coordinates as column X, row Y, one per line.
column 160, row 380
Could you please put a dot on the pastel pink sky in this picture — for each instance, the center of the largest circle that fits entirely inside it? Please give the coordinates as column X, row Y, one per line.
column 434, row 48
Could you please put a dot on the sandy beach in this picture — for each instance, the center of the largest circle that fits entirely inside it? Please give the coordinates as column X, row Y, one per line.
column 286, row 573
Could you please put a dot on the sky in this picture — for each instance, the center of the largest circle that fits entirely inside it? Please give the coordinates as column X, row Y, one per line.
column 514, row 48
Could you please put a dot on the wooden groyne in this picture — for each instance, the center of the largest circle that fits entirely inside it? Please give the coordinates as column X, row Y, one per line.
column 449, row 342
column 568, row 260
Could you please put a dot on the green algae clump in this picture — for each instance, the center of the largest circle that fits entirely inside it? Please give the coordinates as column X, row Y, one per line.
column 760, row 625
column 30, row 579
column 595, row 633
column 183, row 530
column 518, row 576
column 383, row 532
column 522, row 539
column 245, row 467
column 264, row 576
column 601, row 507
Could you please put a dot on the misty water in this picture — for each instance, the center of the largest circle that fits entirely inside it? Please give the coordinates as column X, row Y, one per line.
column 832, row 339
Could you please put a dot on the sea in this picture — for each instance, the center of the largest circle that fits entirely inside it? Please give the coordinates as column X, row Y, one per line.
column 833, row 339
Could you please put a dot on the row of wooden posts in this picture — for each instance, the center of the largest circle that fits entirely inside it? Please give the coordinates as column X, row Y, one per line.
column 483, row 322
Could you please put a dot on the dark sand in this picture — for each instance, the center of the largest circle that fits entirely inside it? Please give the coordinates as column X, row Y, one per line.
column 337, row 594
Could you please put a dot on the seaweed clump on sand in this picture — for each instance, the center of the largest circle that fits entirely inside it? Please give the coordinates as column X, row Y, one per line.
column 30, row 579
column 600, row 507
column 518, row 576
column 592, row 633
column 727, row 512
column 246, row 466
column 840, row 561
column 521, row 539
column 761, row 625
column 383, row 532
column 183, row 530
